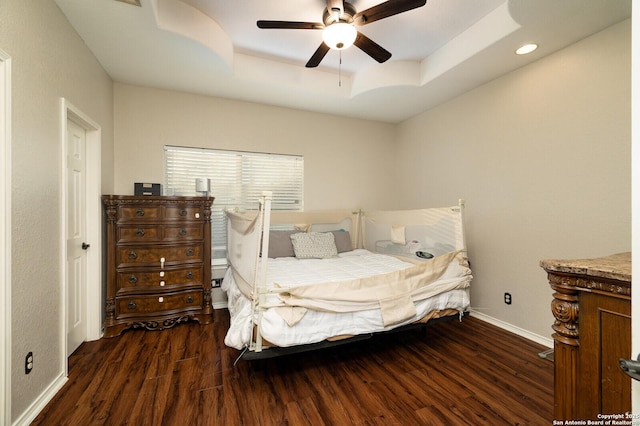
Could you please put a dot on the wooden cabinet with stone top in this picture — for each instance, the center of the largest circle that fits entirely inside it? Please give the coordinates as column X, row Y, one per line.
column 592, row 309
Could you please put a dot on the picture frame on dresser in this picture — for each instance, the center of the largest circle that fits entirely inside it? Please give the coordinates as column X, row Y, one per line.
column 158, row 261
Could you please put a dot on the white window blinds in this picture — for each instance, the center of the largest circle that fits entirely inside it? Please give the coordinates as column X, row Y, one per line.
column 237, row 180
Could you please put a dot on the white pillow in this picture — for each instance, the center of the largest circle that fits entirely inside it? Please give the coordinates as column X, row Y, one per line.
column 314, row 245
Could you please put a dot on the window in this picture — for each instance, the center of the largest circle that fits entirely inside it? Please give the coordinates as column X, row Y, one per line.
column 237, row 180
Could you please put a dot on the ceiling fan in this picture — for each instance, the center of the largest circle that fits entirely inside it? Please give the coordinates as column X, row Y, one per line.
column 339, row 22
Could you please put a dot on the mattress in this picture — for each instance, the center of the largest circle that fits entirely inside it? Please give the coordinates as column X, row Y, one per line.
column 317, row 325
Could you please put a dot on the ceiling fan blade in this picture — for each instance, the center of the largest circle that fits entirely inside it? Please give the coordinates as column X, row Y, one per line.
column 386, row 9
column 317, row 57
column 290, row 25
column 372, row 48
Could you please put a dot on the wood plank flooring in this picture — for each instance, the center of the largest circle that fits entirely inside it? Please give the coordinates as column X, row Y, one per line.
column 449, row 373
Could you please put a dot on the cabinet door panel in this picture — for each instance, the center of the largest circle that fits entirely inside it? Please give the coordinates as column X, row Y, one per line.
column 605, row 336
column 616, row 341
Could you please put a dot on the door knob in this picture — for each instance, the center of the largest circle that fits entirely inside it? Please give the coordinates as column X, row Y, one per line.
column 85, row 246
column 631, row 367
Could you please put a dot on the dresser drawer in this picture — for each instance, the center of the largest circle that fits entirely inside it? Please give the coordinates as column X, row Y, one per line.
column 159, row 304
column 158, row 280
column 138, row 213
column 184, row 232
column 156, row 233
column 142, row 233
column 179, row 212
column 153, row 255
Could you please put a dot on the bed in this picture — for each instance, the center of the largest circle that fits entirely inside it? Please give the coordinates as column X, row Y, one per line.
column 301, row 280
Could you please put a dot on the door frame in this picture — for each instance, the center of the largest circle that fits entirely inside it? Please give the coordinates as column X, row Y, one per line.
column 5, row 238
column 94, row 222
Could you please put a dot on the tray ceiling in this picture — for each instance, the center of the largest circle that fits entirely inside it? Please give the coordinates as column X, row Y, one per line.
column 441, row 50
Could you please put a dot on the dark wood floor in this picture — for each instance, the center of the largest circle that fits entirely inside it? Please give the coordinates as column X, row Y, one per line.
column 451, row 373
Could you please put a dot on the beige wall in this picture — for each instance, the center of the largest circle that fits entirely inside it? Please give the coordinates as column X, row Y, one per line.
column 49, row 61
column 348, row 162
column 543, row 158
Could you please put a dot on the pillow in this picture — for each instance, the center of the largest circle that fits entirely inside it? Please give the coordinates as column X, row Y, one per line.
column 280, row 244
column 343, row 241
column 314, row 245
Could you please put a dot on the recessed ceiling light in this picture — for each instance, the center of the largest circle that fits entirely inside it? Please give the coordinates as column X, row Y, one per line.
column 527, row 48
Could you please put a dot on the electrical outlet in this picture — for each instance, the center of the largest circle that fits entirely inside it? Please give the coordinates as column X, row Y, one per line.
column 507, row 298
column 28, row 363
column 216, row 282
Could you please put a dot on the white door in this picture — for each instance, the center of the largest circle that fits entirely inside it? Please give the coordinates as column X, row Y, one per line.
column 76, row 233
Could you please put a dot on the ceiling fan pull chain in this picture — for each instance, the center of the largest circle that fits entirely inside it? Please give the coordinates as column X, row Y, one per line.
column 340, row 70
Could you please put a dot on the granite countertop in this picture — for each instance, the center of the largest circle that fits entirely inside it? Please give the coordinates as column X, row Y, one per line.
column 615, row 267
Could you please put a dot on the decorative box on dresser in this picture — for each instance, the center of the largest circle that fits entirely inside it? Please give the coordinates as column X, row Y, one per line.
column 592, row 309
column 158, row 261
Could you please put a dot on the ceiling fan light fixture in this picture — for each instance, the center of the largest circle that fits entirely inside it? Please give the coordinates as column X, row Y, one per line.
column 339, row 36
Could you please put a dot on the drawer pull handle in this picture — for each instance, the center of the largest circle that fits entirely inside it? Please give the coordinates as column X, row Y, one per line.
column 140, row 232
column 183, row 212
column 162, row 260
column 162, row 283
column 190, row 251
column 133, row 279
column 189, row 274
column 160, row 299
column 189, row 299
column 183, row 231
column 140, row 212
column 132, row 305
column 133, row 255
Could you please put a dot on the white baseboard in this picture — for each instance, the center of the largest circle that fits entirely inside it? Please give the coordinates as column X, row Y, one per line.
column 38, row 405
column 544, row 341
column 219, row 305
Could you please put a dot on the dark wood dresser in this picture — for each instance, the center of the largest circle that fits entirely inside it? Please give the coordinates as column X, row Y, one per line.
column 592, row 309
column 158, row 261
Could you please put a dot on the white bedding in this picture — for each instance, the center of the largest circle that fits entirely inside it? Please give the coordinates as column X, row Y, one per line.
column 316, row 326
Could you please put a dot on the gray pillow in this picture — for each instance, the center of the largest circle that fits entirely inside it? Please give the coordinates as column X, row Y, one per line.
column 343, row 241
column 280, row 244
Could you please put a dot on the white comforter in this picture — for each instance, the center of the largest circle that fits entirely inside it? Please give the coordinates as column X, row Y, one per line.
column 315, row 326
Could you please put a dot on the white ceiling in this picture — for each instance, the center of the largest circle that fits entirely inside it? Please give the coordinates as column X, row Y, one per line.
column 441, row 50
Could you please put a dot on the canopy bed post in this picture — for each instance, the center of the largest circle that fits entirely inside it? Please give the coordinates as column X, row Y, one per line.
column 260, row 286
